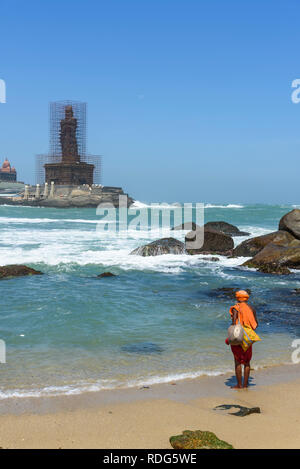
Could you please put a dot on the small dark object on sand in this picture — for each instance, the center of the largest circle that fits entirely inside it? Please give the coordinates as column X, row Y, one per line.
column 242, row 410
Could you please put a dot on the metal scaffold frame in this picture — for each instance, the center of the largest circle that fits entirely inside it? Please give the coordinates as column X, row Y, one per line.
column 56, row 114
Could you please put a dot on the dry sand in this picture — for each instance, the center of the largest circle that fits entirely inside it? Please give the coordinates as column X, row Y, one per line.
column 146, row 418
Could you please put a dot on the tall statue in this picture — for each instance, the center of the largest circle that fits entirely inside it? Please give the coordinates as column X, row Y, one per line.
column 68, row 139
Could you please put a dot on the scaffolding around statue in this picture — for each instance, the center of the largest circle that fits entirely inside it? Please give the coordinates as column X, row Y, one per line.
column 68, row 161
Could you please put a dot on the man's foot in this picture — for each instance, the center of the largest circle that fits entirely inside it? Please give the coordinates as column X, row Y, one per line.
column 237, row 386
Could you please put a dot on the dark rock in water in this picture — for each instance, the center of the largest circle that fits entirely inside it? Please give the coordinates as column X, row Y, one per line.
column 291, row 223
column 273, row 269
column 106, row 274
column 242, row 410
column 159, row 247
column 227, row 292
column 276, row 255
column 296, row 291
column 198, row 440
column 225, row 228
column 142, row 348
column 189, row 225
column 253, row 246
column 214, row 242
column 212, row 259
column 9, row 271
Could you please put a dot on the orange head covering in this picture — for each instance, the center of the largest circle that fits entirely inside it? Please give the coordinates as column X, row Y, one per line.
column 242, row 295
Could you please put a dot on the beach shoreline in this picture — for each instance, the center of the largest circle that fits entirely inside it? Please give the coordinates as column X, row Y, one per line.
column 147, row 417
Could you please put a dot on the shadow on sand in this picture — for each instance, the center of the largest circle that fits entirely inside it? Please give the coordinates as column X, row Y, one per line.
column 230, row 382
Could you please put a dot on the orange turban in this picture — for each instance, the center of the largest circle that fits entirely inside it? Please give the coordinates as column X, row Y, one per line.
column 242, row 295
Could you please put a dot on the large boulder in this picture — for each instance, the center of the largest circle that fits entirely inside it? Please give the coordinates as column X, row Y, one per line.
column 253, row 246
column 291, row 223
column 8, row 271
column 213, row 242
column 277, row 255
column 159, row 247
column 225, row 228
column 198, row 440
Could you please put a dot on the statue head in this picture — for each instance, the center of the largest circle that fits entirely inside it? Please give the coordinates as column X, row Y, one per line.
column 68, row 112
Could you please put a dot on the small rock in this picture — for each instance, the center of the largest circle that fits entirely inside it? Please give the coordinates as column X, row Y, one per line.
column 106, row 274
column 198, row 440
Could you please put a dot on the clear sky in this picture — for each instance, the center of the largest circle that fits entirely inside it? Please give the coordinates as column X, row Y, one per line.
column 188, row 100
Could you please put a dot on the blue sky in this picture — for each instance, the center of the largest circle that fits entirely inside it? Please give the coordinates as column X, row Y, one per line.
column 187, row 100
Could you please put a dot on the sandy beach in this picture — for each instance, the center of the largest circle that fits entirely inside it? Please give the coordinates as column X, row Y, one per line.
column 147, row 417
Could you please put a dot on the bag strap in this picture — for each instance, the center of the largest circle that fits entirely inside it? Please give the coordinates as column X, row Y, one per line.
column 236, row 307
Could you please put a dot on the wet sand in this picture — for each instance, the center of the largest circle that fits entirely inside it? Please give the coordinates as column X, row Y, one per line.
column 147, row 417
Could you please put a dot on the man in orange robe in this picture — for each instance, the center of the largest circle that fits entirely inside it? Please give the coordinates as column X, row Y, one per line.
column 244, row 313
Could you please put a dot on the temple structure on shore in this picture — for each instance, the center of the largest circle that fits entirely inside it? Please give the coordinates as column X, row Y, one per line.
column 7, row 172
column 68, row 163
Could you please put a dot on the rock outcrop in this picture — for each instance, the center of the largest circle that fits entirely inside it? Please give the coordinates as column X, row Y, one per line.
column 159, row 247
column 70, row 196
column 225, row 228
column 213, row 242
column 253, row 246
column 291, row 223
column 198, row 440
column 9, row 271
column 277, row 255
column 277, row 252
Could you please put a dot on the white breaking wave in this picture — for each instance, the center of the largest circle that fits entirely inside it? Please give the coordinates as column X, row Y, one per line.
column 57, row 245
column 223, row 206
column 102, row 385
column 137, row 204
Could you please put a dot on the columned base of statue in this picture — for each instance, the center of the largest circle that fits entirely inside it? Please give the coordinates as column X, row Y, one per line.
column 69, row 173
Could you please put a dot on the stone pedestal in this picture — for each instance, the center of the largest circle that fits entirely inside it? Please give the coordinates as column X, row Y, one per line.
column 69, row 173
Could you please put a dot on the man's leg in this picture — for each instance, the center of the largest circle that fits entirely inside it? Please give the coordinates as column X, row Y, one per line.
column 238, row 374
column 246, row 374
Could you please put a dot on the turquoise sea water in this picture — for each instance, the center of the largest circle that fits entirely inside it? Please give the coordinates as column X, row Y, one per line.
column 159, row 319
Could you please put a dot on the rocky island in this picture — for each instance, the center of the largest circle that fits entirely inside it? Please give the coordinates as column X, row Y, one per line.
column 67, row 196
column 67, row 176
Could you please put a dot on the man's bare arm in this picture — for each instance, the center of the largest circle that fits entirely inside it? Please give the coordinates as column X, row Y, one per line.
column 234, row 316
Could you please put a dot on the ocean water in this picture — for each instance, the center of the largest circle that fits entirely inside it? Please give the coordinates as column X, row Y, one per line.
column 159, row 319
